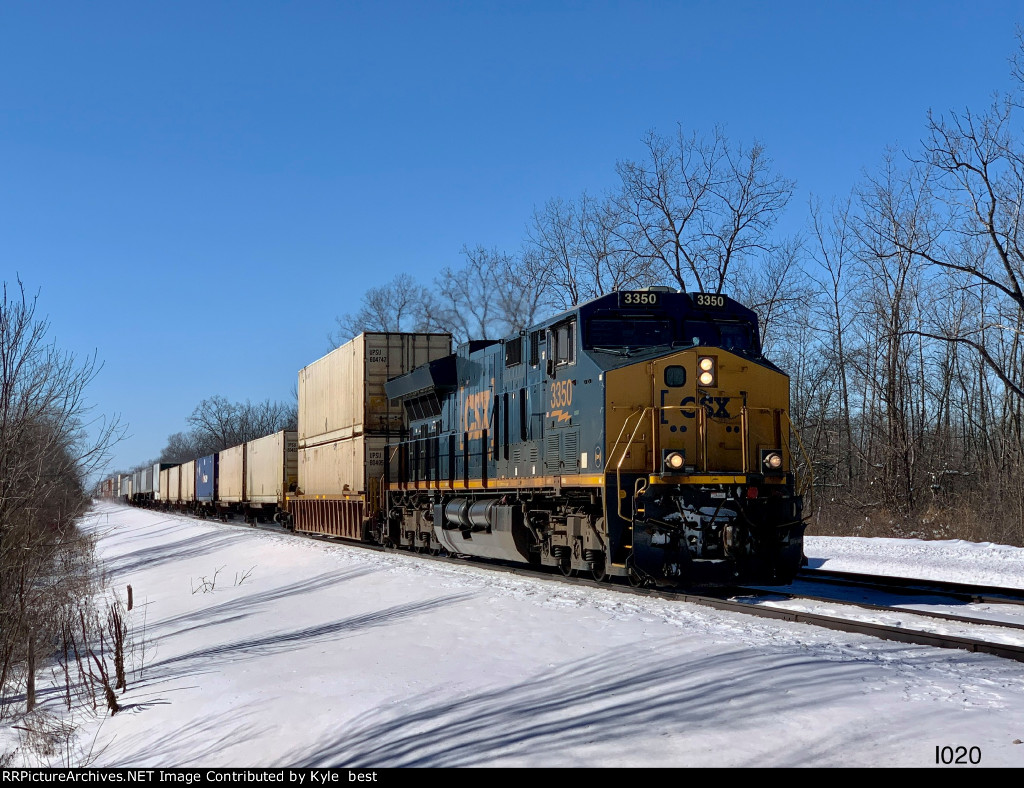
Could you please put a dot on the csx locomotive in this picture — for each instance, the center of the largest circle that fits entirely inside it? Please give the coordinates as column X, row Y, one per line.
column 640, row 435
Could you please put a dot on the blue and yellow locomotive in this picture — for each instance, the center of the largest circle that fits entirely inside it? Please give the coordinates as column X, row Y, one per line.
column 641, row 434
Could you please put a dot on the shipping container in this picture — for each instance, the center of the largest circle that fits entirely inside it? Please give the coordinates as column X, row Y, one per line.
column 170, row 484
column 345, row 467
column 206, row 479
column 231, row 475
column 339, row 486
column 125, row 486
column 158, row 470
column 142, row 483
column 188, row 482
column 342, row 394
column 271, row 467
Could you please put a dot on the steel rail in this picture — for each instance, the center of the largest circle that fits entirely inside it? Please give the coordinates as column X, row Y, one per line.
column 789, row 594
column 962, row 592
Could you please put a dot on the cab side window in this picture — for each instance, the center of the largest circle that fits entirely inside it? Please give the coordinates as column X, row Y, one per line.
column 562, row 343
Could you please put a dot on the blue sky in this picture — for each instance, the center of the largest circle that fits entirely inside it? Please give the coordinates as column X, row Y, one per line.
column 197, row 189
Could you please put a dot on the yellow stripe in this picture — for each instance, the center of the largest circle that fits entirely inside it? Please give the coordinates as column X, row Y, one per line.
column 692, row 479
column 526, row 482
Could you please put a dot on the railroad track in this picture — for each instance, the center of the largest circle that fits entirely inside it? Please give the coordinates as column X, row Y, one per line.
column 768, row 602
column 912, row 587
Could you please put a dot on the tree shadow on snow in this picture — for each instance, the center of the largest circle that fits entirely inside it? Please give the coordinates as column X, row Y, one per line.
column 200, row 742
column 251, row 603
column 157, row 555
column 278, row 642
column 632, row 694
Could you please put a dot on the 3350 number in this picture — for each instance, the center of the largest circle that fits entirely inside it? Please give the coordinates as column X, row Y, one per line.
column 635, row 299
column 705, row 299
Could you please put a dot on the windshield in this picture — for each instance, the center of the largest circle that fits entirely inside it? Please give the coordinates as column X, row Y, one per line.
column 731, row 336
column 629, row 332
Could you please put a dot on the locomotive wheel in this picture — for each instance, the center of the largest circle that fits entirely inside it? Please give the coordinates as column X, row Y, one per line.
column 565, row 566
column 598, row 572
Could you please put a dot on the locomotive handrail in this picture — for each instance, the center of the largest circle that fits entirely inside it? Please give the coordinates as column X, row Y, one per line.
column 625, row 449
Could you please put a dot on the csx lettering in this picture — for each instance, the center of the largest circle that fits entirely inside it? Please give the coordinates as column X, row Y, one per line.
column 474, row 413
column 714, row 406
column 561, row 394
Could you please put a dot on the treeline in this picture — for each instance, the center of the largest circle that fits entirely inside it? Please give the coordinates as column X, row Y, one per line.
column 48, row 448
column 217, row 424
column 899, row 312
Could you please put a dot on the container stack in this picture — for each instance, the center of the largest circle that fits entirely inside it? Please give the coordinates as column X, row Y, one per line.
column 345, row 422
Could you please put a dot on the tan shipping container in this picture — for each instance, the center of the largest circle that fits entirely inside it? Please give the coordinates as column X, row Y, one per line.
column 340, row 468
column 342, row 394
column 271, row 466
column 170, row 484
column 339, row 486
column 188, row 482
column 231, row 475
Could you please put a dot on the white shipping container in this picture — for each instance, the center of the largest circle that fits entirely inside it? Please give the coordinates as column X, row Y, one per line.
column 271, row 466
column 231, row 473
column 188, row 482
column 342, row 394
column 346, row 467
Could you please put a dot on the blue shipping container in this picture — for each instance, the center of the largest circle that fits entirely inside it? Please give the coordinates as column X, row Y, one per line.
column 206, row 478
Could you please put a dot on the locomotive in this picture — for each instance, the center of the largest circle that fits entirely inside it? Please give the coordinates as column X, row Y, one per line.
column 641, row 435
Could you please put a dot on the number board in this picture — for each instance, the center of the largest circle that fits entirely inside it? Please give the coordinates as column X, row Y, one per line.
column 638, row 298
column 709, row 300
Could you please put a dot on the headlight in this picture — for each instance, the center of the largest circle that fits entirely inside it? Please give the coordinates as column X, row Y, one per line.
column 772, row 461
column 706, row 370
column 673, row 461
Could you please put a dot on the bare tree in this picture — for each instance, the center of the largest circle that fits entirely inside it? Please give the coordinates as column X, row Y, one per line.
column 583, row 250
column 695, row 206
column 401, row 305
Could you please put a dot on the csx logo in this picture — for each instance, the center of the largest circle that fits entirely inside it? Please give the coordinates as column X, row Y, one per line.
column 474, row 411
column 561, row 394
column 715, row 406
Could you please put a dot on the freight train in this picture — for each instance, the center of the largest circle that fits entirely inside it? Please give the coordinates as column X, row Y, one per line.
column 641, row 435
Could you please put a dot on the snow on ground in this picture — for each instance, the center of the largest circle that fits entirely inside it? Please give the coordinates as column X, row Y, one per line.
column 308, row 653
column 953, row 560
